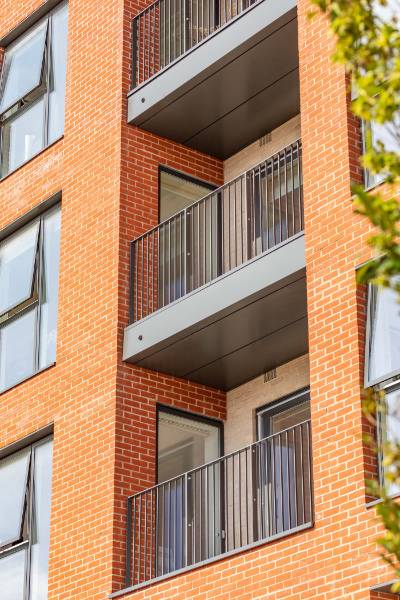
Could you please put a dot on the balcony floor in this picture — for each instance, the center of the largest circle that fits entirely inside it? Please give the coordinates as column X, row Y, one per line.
column 250, row 320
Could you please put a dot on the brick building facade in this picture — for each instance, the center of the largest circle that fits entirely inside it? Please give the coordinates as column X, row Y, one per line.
column 100, row 399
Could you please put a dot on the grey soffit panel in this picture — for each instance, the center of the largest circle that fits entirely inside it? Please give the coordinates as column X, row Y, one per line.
column 189, row 98
column 248, row 322
column 237, row 348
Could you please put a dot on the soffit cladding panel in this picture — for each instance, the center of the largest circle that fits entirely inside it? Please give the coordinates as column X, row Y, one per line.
column 243, row 324
column 188, row 102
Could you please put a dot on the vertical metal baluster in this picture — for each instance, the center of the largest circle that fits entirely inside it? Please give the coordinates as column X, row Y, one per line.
column 300, row 181
column 145, row 557
column 274, row 522
column 135, row 62
column 135, row 298
column 292, row 195
column 281, row 481
column 154, row 19
column 267, row 207
column 273, row 200
column 169, row 526
column 222, row 201
column 175, row 527
column 260, row 209
column 309, row 450
column 148, row 43
column 164, row 36
column 288, row 479
column 140, row 538
column 242, row 227
column 295, row 474
column 233, row 502
column 174, row 255
column 198, row 245
column 201, row 514
column 164, row 274
column 169, row 262
column 192, row 252
column 240, row 499
column 229, row 228
column 184, row 233
column 183, row 26
column 302, row 476
column 253, row 210
column 211, row 238
column 204, row 235
column 268, row 482
column 280, row 198
column 194, row 525
column 206, row 515
column 148, row 274
column 138, row 50
column 214, row 501
column 130, row 541
column 151, row 531
column 163, row 530
column 153, row 271
column 247, row 496
column 235, row 222
column 134, row 539
column 198, row 22
column 226, row 505
column 142, row 278
column 185, row 521
column 174, row 34
column 156, row 528
column 260, row 499
column 181, row 255
column 286, row 195
column 169, row 31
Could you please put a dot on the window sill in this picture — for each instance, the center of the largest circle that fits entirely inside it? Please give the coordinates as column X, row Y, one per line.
column 21, row 166
column 373, row 503
column 14, row 385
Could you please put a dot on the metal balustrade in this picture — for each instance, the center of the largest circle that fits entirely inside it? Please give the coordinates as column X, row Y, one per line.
column 245, row 498
column 233, row 224
column 167, row 29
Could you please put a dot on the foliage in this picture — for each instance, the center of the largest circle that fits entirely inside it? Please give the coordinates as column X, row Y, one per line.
column 367, row 36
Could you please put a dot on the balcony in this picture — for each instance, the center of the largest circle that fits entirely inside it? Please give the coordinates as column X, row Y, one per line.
column 187, row 54
column 218, row 291
column 254, row 495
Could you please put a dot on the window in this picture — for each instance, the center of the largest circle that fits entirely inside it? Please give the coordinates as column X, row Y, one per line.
column 29, row 263
column 383, row 335
column 389, row 430
column 32, row 90
column 25, row 497
column 178, row 191
column 385, row 133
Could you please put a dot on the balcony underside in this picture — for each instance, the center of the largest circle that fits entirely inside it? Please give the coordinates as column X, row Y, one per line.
column 245, row 323
column 187, row 101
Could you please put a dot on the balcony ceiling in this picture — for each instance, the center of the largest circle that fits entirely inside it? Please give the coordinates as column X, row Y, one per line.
column 226, row 333
column 224, row 94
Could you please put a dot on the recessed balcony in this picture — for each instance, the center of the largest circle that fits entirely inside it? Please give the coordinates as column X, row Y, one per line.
column 214, row 75
column 218, row 290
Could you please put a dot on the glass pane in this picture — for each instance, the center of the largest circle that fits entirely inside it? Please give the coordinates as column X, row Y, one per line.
column 391, row 426
column 17, row 349
column 13, row 477
column 290, row 417
column 17, row 261
column 176, row 193
column 23, row 136
column 59, row 23
column 384, row 340
column 49, row 304
column 23, row 67
column 184, row 444
column 12, row 576
column 41, row 536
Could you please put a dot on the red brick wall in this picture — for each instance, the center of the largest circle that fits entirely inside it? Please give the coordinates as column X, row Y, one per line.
column 103, row 410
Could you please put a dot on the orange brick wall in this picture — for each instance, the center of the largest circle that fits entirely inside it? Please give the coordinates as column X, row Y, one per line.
column 104, row 410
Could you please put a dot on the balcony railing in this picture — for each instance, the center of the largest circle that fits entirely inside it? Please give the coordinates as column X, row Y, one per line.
column 167, row 29
column 256, row 494
column 244, row 218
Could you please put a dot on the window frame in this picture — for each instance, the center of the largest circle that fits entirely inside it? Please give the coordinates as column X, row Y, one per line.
column 389, row 387
column 28, row 514
column 35, row 300
column 185, row 414
column 185, row 177
column 35, row 95
column 276, row 406
column 388, row 378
